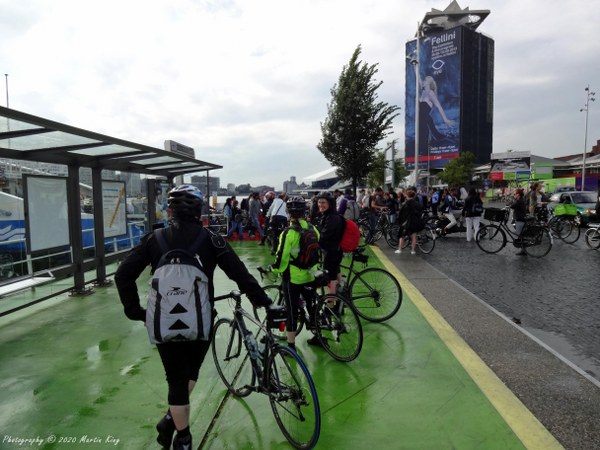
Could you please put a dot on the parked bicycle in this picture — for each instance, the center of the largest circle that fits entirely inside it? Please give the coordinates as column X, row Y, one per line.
column 592, row 236
column 425, row 238
column 562, row 221
column 333, row 320
column 381, row 229
column 275, row 370
column 535, row 239
column 374, row 293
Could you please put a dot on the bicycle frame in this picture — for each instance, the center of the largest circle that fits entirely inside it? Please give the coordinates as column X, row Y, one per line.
column 239, row 319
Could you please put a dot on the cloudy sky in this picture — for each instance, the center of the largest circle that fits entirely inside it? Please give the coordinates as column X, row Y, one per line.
column 246, row 83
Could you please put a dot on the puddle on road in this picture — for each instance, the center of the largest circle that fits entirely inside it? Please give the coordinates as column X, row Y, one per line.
column 562, row 346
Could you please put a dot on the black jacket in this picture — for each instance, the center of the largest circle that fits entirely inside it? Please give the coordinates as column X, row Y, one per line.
column 330, row 226
column 214, row 251
column 469, row 202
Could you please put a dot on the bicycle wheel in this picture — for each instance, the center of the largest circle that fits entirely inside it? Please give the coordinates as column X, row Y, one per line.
column 491, row 238
column 375, row 294
column 570, row 231
column 293, row 398
column 537, row 241
column 338, row 328
column 230, row 355
column 393, row 235
column 426, row 240
column 378, row 232
column 592, row 238
column 560, row 227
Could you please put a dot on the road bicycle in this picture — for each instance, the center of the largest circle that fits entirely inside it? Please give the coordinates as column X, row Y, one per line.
column 374, row 293
column 592, row 236
column 535, row 239
column 331, row 319
column 274, row 370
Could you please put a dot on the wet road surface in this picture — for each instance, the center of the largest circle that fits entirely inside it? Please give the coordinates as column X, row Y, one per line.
column 555, row 298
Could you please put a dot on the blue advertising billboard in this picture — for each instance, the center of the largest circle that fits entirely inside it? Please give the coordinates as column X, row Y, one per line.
column 439, row 79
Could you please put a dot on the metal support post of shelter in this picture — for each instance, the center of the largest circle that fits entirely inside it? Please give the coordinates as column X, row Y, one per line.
column 74, row 207
column 100, row 251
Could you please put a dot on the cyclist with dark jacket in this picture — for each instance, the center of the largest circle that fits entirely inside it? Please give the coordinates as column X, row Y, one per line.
column 296, row 281
column 331, row 227
column 182, row 359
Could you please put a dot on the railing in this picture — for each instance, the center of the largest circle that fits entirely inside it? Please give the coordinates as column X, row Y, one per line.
column 18, row 263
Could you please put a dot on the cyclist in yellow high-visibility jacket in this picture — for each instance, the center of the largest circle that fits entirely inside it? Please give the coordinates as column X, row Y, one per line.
column 297, row 279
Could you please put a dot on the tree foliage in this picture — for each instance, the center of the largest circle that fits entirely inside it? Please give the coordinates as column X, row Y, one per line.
column 376, row 175
column 356, row 121
column 459, row 171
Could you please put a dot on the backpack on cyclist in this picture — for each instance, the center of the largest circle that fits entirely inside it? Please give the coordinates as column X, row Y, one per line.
column 350, row 236
column 179, row 307
column 352, row 210
column 309, row 252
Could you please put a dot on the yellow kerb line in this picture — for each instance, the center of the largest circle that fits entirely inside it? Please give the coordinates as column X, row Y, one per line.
column 524, row 424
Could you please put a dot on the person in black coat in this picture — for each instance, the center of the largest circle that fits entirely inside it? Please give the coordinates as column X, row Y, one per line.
column 472, row 211
column 410, row 220
column 182, row 359
column 331, row 226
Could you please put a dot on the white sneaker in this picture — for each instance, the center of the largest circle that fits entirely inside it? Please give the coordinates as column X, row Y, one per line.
column 412, row 252
column 399, row 251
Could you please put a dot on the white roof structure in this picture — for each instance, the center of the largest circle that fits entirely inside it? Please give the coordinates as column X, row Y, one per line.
column 320, row 176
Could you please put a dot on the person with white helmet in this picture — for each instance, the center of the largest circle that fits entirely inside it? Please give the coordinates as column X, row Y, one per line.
column 182, row 359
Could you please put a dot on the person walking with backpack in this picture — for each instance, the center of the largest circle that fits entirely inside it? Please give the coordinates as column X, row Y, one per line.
column 472, row 210
column 181, row 359
column 296, row 259
column 349, row 206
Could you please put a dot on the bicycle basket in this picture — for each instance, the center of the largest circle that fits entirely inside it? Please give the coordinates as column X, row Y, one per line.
column 565, row 210
column 494, row 214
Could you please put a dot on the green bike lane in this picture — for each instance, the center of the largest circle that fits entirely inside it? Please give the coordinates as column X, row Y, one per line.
column 76, row 374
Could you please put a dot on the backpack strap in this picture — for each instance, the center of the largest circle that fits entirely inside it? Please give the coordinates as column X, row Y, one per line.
column 164, row 247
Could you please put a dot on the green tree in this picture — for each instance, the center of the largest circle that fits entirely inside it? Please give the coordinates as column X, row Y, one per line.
column 459, row 171
column 376, row 176
column 356, row 121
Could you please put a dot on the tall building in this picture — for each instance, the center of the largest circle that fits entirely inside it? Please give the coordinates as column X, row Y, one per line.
column 449, row 89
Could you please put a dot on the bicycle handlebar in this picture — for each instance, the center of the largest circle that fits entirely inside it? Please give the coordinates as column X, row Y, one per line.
column 234, row 294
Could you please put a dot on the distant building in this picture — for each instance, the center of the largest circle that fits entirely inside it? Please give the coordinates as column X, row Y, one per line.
column 214, row 184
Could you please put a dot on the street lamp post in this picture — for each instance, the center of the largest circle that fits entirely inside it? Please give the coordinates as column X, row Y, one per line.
column 589, row 97
column 415, row 63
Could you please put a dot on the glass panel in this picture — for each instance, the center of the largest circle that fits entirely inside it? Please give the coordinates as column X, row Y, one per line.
column 45, row 140
column 104, row 150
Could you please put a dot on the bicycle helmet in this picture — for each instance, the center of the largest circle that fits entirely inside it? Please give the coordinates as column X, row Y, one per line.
column 185, row 198
column 270, row 195
column 296, row 206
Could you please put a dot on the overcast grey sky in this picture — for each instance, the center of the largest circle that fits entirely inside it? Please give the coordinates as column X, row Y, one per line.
column 246, row 83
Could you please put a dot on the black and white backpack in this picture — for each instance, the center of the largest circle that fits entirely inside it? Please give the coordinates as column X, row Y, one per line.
column 179, row 307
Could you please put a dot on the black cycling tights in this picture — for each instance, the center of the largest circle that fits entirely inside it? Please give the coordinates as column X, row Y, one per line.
column 182, row 361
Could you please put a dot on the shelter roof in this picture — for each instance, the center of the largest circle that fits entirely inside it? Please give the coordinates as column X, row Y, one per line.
column 31, row 138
